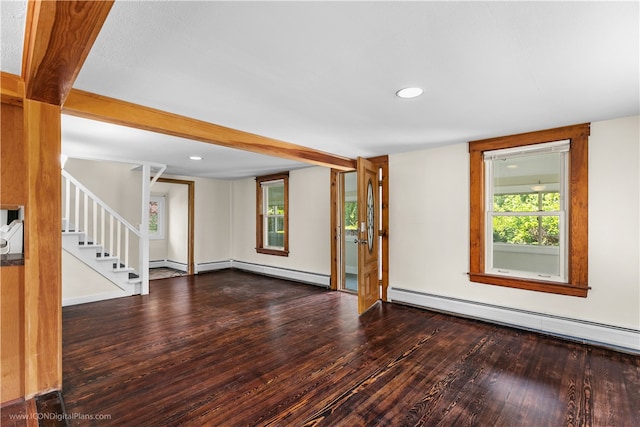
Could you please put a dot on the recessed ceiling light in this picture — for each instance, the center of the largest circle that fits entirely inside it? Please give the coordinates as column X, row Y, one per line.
column 409, row 92
column 195, row 158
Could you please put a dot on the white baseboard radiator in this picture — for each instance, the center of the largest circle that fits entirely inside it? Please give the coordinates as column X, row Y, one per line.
column 282, row 273
column 614, row 337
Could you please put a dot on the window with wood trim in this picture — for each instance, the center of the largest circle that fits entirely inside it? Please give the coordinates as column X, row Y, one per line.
column 272, row 214
column 529, row 211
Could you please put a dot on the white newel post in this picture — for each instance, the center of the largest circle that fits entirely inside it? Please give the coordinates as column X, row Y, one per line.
column 144, row 229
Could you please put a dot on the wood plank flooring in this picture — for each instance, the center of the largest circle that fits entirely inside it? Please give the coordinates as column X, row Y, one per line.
column 235, row 349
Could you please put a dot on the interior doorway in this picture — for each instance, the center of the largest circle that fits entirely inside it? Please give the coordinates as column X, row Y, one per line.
column 178, row 227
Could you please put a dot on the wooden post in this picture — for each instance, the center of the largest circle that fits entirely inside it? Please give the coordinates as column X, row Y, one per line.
column 43, row 258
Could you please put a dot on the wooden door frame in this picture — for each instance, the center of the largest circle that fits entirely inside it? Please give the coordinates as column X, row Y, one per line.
column 190, row 218
column 382, row 162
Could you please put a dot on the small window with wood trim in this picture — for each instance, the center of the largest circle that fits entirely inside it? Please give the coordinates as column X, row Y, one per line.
column 528, row 216
column 272, row 214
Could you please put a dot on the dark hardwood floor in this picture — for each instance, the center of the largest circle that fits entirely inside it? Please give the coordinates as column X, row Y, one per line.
column 234, row 349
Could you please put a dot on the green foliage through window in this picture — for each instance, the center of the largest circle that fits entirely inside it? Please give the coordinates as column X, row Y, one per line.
column 351, row 215
column 528, row 202
column 527, row 229
column 153, row 217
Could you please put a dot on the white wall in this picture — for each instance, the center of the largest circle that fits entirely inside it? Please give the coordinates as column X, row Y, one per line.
column 212, row 220
column 81, row 284
column 212, row 216
column 115, row 183
column 309, row 222
column 614, row 222
column 429, row 230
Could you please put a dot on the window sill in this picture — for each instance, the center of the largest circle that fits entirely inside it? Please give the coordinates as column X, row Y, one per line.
column 531, row 285
column 272, row 252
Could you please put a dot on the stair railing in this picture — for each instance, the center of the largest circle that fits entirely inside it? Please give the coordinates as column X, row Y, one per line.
column 102, row 225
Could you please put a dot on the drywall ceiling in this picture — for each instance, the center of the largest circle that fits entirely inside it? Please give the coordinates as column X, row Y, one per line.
column 324, row 74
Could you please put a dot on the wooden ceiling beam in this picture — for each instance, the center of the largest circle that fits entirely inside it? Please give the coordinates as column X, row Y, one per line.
column 58, row 38
column 11, row 88
column 91, row 106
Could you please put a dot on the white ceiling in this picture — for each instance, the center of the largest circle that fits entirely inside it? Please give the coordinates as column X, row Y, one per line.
column 324, row 74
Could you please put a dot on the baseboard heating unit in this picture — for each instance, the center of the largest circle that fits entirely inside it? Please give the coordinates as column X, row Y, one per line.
column 614, row 337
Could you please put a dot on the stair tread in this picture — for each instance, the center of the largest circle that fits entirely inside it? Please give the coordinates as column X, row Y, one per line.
column 81, row 240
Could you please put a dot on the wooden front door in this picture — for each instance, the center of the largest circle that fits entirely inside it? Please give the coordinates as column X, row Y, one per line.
column 368, row 221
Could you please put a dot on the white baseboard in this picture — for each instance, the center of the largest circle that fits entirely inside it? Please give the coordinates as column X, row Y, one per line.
column 623, row 339
column 93, row 298
column 168, row 264
column 157, row 263
column 284, row 273
column 181, row 266
column 212, row 266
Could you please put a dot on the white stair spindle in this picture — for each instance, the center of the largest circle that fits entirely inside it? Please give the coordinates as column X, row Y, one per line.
column 102, row 227
column 86, row 217
column 67, row 203
column 119, row 243
column 111, row 236
column 126, row 246
column 76, row 210
column 95, row 222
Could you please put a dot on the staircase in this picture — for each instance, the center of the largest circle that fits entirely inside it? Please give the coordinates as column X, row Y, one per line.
column 99, row 237
column 94, row 256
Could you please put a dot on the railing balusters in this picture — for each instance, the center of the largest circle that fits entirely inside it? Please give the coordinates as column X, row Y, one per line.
column 107, row 236
column 119, row 243
column 76, row 210
column 126, row 246
column 86, row 217
column 67, row 204
column 94, row 238
column 102, row 227
column 111, row 236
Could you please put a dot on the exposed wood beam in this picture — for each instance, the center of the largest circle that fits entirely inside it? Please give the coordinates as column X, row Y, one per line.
column 58, row 38
column 12, row 88
column 110, row 110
